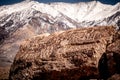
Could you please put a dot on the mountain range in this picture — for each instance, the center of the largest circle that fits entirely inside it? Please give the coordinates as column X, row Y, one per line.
column 33, row 18
column 22, row 21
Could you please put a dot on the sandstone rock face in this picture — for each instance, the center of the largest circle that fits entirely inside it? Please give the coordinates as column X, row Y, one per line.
column 75, row 54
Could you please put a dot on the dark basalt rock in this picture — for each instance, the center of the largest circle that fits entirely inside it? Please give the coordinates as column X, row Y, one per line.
column 78, row 54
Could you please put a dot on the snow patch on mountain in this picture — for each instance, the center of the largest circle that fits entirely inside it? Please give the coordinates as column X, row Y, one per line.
column 64, row 15
column 26, row 19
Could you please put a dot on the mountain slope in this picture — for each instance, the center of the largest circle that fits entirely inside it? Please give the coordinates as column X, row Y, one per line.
column 20, row 20
column 22, row 13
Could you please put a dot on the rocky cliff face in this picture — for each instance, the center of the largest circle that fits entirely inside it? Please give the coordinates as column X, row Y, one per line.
column 37, row 18
column 71, row 55
column 24, row 20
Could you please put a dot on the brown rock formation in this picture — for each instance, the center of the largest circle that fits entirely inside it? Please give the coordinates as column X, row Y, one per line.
column 71, row 55
column 4, row 73
column 115, row 77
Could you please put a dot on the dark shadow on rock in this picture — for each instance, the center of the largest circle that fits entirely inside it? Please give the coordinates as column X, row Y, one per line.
column 117, row 60
column 3, row 34
column 109, row 64
column 103, row 67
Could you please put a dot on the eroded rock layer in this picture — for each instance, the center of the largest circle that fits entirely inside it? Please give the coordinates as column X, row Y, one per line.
column 75, row 54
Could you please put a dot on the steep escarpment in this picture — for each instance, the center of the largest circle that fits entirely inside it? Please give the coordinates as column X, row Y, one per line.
column 71, row 55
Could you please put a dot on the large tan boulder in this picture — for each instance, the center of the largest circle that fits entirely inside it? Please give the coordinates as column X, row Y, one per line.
column 71, row 55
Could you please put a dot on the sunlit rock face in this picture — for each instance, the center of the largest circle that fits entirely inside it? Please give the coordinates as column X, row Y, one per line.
column 24, row 20
column 29, row 18
column 77, row 54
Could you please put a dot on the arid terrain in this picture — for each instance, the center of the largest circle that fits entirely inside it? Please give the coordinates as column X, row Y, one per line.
column 76, row 54
column 25, row 21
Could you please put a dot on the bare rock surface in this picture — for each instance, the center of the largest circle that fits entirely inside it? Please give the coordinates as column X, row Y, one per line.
column 115, row 77
column 77, row 54
column 24, row 20
column 4, row 73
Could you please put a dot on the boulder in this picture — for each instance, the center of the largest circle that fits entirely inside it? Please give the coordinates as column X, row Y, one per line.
column 76, row 54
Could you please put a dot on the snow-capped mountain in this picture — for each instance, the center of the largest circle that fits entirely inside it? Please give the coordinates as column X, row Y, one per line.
column 64, row 15
column 26, row 19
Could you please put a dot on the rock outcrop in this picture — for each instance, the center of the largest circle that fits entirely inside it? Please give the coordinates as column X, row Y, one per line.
column 76, row 54
column 49, row 18
column 115, row 77
column 24, row 20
